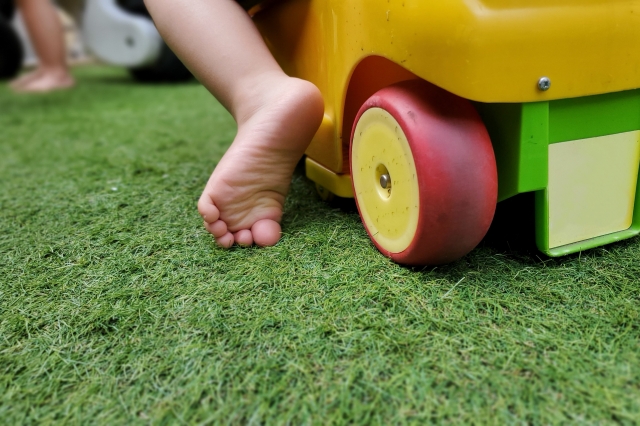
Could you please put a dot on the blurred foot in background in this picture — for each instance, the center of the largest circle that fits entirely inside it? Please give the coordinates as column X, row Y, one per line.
column 45, row 31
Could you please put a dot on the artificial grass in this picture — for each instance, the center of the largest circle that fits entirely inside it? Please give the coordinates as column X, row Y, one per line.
column 117, row 307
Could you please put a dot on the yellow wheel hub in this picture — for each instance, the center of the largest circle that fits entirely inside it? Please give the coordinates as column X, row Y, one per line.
column 385, row 180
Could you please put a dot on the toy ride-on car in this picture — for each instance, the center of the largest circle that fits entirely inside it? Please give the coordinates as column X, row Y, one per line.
column 436, row 110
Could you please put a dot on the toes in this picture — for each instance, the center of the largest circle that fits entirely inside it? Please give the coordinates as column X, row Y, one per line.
column 225, row 241
column 217, row 228
column 266, row 232
column 243, row 238
column 207, row 209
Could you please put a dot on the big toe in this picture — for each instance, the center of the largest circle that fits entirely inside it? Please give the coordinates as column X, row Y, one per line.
column 266, row 232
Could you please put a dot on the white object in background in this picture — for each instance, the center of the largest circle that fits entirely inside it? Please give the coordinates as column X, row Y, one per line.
column 76, row 53
column 118, row 37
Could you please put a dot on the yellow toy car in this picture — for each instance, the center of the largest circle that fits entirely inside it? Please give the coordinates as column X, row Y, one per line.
column 436, row 110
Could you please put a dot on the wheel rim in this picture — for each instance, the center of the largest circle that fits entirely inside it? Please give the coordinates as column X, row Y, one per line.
column 381, row 155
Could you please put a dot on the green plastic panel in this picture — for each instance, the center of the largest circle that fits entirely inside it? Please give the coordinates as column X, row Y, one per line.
column 592, row 116
column 521, row 134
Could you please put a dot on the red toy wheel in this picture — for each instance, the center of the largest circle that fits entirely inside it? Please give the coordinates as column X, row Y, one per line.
column 424, row 174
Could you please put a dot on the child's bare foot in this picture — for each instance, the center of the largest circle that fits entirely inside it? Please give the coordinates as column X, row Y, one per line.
column 44, row 80
column 243, row 199
column 17, row 83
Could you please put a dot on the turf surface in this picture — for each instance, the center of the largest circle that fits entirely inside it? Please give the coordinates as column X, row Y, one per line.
column 117, row 307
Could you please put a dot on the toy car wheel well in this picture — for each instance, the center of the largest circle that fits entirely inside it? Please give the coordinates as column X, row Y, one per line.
column 370, row 75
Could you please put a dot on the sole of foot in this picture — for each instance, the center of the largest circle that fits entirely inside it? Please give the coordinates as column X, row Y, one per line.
column 243, row 200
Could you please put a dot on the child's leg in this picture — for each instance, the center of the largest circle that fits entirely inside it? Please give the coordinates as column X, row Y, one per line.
column 277, row 115
column 45, row 31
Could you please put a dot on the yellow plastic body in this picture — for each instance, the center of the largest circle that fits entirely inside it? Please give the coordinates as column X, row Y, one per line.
column 381, row 147
column 338, row 184
column 592, row 186
column 482, row 50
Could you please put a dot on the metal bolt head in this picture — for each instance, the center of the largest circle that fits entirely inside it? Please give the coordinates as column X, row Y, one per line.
column 385, row 180
column 544, row 83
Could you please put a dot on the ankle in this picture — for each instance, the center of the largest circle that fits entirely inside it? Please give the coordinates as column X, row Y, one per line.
column 256, row 93
column 284, row 90
column 58, row 71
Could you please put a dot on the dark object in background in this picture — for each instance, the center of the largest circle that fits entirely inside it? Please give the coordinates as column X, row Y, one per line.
column 7, row 8
column 11, row 52
column 167, row 67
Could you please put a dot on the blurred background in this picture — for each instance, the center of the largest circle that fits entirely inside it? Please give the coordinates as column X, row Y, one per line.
column 115, row 32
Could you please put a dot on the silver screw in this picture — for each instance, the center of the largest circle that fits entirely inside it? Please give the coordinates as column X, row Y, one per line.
column 544, row 83
column 385, row 181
